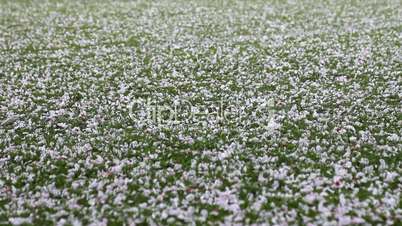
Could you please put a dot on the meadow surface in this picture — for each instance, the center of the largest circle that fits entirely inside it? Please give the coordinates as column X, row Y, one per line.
column 200, row 112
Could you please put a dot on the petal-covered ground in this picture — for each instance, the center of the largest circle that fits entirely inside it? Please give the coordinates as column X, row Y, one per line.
column 200, row 112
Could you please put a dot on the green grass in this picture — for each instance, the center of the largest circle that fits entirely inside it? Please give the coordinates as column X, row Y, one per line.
column 75, row 149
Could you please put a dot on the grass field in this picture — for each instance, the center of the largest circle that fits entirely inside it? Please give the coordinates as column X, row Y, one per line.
column 200, row 112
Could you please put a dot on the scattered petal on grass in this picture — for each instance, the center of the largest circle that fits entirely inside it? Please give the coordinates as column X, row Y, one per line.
column 200, row 112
